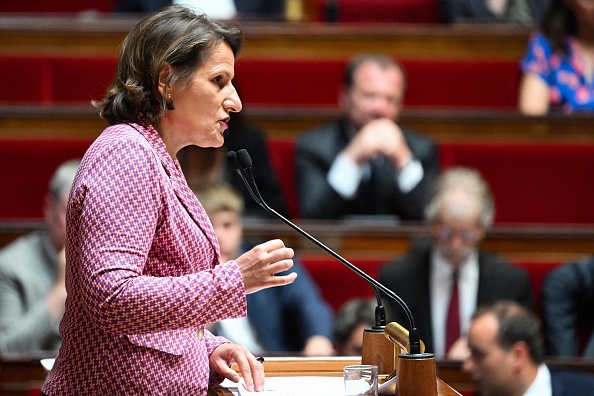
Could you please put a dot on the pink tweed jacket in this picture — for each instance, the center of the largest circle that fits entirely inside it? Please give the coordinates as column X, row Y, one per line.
column 142, row 277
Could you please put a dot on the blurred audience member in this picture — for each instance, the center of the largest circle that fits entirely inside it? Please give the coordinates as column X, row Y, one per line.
column 353, row 317
column 32, row 276
column 365, row 163
column 219, row 9
column 507, row 356
column 209, row 165
column 291, row 318
column 558, row 68
column 567, row 301
column 519, row 12
column 443, row 280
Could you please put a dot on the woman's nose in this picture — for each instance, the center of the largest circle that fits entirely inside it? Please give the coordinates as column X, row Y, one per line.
column 233, row 103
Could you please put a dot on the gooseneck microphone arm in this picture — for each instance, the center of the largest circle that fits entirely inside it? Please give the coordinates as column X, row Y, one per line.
column 241, row 163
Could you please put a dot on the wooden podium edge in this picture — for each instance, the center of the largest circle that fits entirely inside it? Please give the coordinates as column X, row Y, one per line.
column 303, row 366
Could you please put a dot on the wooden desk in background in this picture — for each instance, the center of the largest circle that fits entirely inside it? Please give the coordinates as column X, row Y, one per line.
column 377, row 241
column 74, row 36
column 82, row 121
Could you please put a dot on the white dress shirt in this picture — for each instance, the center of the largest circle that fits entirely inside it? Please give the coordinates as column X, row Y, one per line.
column 541, row 386
column 345, row 175
column 440, row 290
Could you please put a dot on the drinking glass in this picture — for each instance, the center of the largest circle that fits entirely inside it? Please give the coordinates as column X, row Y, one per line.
column 360, row 380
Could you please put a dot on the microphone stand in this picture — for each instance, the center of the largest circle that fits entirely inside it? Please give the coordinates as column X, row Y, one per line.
column 416, row 370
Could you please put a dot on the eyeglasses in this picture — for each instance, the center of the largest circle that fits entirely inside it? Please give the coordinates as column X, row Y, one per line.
column 447, row 234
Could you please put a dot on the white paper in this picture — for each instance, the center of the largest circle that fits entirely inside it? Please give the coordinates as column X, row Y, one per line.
column 292, row 386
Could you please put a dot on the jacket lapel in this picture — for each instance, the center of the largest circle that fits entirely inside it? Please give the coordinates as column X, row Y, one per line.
column 183, row 192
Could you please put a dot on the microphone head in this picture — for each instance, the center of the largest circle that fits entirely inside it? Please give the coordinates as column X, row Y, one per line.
column 232, row 160
column 245, row 161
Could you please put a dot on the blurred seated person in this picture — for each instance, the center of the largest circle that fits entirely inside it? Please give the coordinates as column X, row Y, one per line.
column 219, row 9
column 365, row 163
column 558, row 68
column 445, row 278
column 293, row 318
column 32, row 275
column 507, row 356
column 567, row 301
column 351, row 320
column 517, row 12
column 209, row 165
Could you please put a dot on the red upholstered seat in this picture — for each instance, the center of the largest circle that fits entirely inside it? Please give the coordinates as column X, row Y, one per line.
column 26, row 80
column 58, row 6
column 445, row 84
column 27, row 168
column 81, row 79
column 537, row 271
column 278, row 82
column 456, row 83
column 282, row 160
column 274, row 82
column 383, row 11
column 51, row 80
column 531, row 182
column 338, row 283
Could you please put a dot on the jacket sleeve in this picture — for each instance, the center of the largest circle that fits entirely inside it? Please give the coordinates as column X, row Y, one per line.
column 120, row 208
column 24, row 329
column 313, row 312
column 562, row 292
column 317, row 199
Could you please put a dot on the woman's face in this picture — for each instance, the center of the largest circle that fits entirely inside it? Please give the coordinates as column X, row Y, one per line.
column 202, row 105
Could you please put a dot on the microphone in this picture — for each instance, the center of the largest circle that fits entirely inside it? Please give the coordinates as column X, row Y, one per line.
column 241, row 163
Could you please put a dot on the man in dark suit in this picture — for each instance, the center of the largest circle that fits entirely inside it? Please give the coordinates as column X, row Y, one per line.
column 507, row 356
column 365, row 163
column 459, row 212
column 567, row 300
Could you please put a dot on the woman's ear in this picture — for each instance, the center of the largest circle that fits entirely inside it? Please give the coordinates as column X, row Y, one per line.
column 164, row 76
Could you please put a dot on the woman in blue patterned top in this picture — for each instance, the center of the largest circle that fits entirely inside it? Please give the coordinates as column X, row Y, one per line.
column 558, row 67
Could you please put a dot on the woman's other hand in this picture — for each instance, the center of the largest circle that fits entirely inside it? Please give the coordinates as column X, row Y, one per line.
column 260, row 265
column 250, row 368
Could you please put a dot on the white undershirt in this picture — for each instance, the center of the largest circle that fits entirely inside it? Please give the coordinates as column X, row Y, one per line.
column 541, row 386
column 440, row 289
column 345, row 175
column 219, row 9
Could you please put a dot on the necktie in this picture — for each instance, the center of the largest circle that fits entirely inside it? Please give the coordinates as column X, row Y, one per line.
column 453, row 318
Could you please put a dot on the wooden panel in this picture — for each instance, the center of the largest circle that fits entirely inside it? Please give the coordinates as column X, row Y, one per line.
column 22, row 374
column 369, row 240
column 83, row 122
column 360, row 240
column 75, row 36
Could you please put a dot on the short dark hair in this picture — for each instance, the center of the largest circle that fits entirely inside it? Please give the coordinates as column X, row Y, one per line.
column 382, row 61
column 174, row 35
column 353, row 313
column 516, row 324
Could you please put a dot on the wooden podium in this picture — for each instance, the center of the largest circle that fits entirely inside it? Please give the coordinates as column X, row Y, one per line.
column 327, row 366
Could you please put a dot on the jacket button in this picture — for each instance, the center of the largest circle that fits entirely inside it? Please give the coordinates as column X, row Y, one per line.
column 200, row 334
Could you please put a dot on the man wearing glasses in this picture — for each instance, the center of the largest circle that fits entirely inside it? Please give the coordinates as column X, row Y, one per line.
column 446, row 277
